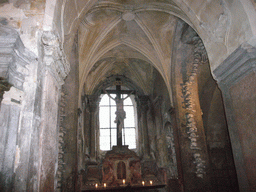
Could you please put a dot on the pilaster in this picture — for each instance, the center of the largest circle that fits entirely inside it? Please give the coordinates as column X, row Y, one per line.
column 236, row 78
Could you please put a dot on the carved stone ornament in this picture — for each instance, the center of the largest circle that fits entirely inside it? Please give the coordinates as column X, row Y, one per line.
column 54, row 57
column 13, row 57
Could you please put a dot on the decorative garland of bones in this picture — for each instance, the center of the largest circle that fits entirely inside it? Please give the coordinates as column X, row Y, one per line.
column 200, row 57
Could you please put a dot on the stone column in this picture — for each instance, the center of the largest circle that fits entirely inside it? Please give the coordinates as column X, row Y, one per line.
column 143, row 108
column 159, row 129
column 236, row 78
column 54, row 69
column 86, row 119
column 93, row 102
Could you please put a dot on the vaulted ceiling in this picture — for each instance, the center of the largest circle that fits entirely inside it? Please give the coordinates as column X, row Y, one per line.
column 124, row 37
column 127, row 38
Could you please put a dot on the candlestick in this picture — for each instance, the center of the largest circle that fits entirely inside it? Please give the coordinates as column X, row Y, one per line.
column 143, row 183
column 96, row 185
column 151, row 182
column 105, row 185
column 124, row 181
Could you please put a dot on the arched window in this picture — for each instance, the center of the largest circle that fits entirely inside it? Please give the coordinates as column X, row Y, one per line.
column 108, row 127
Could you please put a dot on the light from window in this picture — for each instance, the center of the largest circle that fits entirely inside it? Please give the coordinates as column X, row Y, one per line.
column 108, row 126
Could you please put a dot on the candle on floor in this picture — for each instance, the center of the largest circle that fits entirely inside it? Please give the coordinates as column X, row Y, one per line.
column 123, row 181
column 151, row 182
column 143, row 183
column 105, row 185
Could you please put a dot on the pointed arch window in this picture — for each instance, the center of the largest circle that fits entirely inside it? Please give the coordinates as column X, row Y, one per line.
column 108, row 127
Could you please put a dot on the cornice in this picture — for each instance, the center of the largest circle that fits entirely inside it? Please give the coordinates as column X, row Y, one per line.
column 13, row 57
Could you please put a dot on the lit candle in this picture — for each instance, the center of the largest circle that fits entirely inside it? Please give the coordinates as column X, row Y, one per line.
column 105, row 185
column 96, row 185
column 151, row 182
column 123, row 181
column 143, row 183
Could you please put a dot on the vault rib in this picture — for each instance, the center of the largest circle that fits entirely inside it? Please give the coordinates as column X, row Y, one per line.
column 155, row 44
column 91, row 54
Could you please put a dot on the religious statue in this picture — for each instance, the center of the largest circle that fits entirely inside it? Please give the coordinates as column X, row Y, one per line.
column 120, row 113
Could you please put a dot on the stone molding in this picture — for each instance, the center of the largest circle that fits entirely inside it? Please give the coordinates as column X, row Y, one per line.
column 54, row 57
column 236, row 66
column 13, row 57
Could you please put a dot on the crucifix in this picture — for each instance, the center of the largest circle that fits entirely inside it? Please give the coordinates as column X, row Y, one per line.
column 120, row 113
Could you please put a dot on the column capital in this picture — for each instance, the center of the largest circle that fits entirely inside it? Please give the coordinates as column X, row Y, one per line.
column 93, row 102
column 236, row 66
column 143, row 101
column 54, row 57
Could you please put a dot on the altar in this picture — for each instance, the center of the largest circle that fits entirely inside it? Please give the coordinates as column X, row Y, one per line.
column 121, row 166
column 122, row 170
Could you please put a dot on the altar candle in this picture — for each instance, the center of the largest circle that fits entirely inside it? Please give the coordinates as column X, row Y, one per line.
column 143, row 183
column 123, row 181
column 151, row 182
column 105, row 185
column 96, row 185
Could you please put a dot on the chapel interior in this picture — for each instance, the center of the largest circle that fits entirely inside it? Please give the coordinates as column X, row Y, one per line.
column 128, row 95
